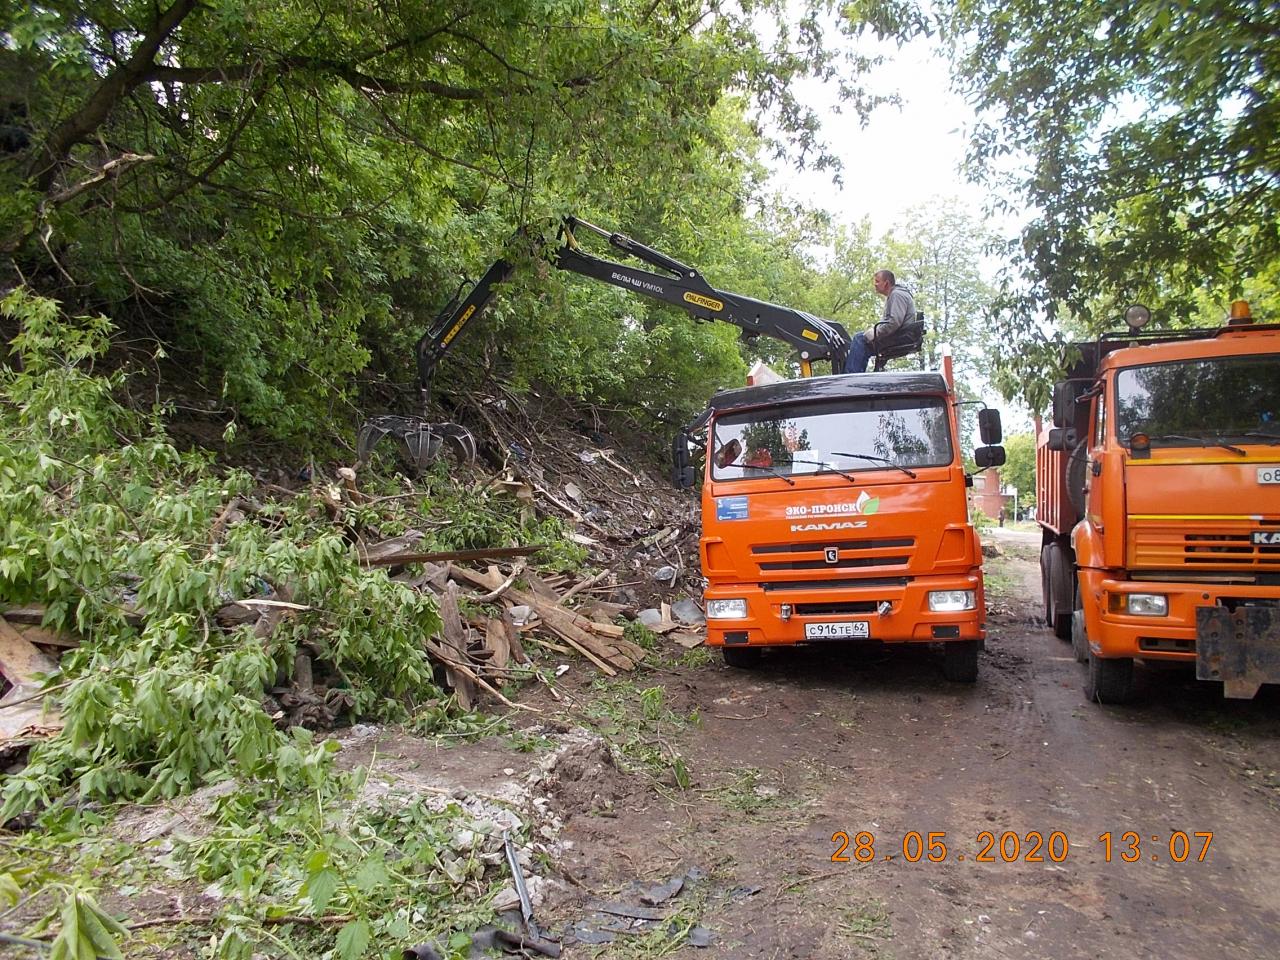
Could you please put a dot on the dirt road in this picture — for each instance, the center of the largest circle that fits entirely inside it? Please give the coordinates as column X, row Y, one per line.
column 817, row 743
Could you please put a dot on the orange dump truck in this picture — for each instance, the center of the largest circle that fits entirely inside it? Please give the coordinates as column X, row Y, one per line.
column 834, row 509
column 1158, row 492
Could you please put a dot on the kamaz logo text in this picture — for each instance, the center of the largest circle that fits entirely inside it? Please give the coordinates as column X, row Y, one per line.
column 1266, row 538
column 819, row 527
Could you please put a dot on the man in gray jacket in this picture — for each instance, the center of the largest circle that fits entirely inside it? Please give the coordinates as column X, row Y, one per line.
column 899, row 308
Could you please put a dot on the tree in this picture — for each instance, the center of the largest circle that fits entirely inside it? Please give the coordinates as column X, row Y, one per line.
column 1019, row 470
column 1151, row 170
column 1141, row 136
column 942, row 264
column 278, row 192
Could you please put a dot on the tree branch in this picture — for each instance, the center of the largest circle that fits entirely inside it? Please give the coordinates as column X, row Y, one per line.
column 48, row 160
column 343, row 71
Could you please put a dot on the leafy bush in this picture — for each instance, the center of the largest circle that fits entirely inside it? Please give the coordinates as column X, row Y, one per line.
column 103, row 517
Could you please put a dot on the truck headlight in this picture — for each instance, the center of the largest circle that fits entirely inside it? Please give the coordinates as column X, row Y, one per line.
column 726, row 609
column 1146, row 604
column 952, row 601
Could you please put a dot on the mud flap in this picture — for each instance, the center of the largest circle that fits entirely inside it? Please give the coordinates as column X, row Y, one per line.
column 1242, row 649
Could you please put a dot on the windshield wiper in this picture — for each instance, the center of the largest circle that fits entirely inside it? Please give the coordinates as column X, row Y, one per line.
column 884, row 460
column 1203, row 441
column 1251, row 434
column 827, row 468
column 781, row 476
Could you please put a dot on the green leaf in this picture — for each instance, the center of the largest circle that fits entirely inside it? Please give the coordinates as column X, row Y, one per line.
column 353, row 939
column 320, row 888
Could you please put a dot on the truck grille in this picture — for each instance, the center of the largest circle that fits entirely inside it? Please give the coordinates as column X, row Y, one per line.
column 1225, row 546
column 852, row 555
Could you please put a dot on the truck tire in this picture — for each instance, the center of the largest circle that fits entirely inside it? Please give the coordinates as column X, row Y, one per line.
column 1044, row 586
column 744, row 658
column 1077, row 467
column 1061, row 590
column 1110, row 681
column 1079, row 639
column 960, row 661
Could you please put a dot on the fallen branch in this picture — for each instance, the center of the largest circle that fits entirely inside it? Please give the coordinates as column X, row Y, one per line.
column 280, row 604
column 492, row 553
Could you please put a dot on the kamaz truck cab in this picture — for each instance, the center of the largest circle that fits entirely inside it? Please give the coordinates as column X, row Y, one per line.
column 834, row 508
column 1158, row 489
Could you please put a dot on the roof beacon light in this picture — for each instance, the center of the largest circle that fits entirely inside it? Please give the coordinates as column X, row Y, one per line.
column 1137, row 316
column 1240, row 313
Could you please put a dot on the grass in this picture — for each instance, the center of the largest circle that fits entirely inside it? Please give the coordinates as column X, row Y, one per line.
column 866, row 925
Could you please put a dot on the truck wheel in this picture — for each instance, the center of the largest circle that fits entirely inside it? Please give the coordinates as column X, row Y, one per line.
column 960, row 661
column 1079, row 640
column 1044, row 586
column 744, row 658
column 1110, row 681
column 1077, row 467
column 1061, row 592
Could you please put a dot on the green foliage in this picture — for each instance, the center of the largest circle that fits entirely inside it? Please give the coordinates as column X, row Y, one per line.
column 1151, row 168
column 1019, row 470
column 103, row 516
column 478, row 516
column 87, row 931
column 637, row 723
column 636, row 632
column 325, row 866
column 283, row 196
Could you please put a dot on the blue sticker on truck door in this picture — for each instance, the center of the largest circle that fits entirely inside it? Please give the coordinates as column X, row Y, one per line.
column 731, row 508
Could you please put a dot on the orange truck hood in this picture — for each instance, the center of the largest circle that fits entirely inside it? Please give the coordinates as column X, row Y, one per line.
column 1204, row 482
column 764, row 531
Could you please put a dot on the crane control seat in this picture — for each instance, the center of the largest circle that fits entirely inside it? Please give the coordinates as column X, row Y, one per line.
column 907, row 340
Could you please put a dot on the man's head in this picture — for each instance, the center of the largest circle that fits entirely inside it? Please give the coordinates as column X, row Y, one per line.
column 884, row 281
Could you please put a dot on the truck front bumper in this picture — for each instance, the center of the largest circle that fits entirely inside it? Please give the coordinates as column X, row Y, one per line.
column 777, row 614
column 1245, row 617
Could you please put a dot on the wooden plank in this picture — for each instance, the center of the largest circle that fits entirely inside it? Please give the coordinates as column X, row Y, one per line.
column 514, row 641
column 573, row 628
column 50, row 638
column 495, row 639
column 454, row 637
column 20, row 661
column 24, row 713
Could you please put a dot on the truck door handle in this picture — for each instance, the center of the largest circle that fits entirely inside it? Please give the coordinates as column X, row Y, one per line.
column 1097, row 468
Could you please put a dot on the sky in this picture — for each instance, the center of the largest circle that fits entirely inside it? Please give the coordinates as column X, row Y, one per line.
column 906, row 156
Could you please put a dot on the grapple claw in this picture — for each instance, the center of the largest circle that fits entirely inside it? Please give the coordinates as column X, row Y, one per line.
column 421, row 441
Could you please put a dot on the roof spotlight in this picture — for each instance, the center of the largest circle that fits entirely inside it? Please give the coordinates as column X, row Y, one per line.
column 1137, row 316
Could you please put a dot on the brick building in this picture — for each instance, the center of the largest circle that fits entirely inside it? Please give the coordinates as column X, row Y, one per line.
column 987, row 496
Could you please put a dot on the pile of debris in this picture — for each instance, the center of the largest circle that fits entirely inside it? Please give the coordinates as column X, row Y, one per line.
column 640, row 534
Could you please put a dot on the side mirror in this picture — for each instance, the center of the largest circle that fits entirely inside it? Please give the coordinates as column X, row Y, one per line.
column 989, row 456
column 989, row 426
column 1065, row 395
column 682, row 474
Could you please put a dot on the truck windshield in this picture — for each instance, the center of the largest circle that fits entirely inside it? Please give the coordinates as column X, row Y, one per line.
column 1201, row 401
column 845, row 438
